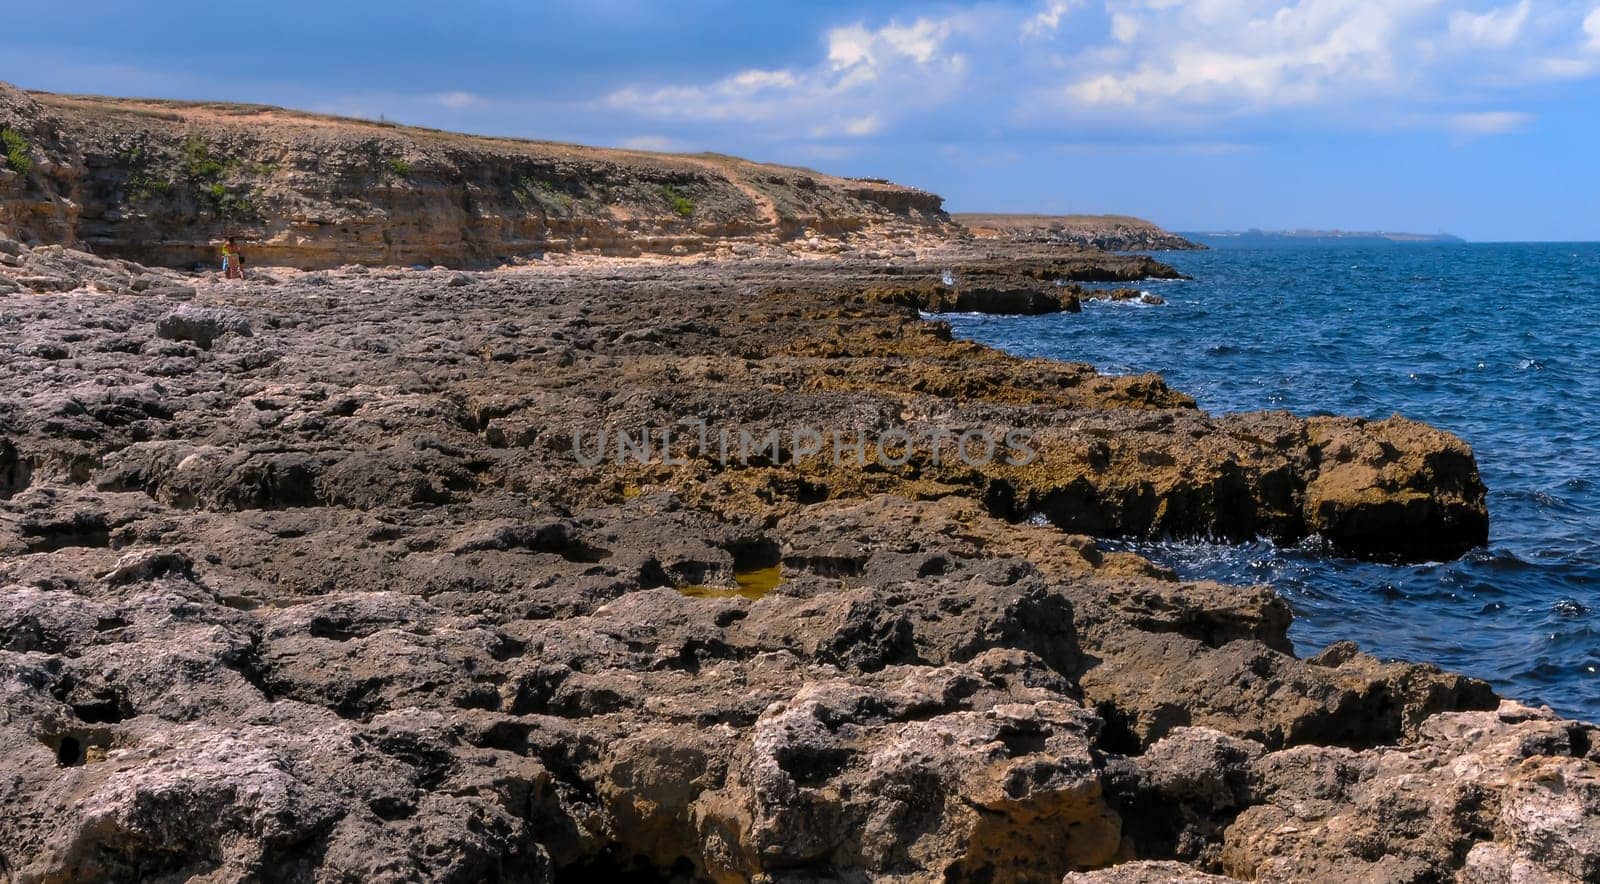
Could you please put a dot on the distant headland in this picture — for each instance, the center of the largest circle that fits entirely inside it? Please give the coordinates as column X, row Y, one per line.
column 1255, row 238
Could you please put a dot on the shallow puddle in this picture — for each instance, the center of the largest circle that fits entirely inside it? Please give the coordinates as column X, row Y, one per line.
column 750, row 585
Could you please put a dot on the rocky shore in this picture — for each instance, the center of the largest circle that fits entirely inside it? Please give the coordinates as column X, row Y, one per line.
column 395, row 573
column 307, row 578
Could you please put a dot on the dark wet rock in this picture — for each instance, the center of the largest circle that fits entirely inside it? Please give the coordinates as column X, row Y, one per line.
column 1018, row 297
column 15, row 473
column 1180, row 796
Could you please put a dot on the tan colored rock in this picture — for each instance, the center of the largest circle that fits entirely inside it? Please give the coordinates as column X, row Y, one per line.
column 1394, row 487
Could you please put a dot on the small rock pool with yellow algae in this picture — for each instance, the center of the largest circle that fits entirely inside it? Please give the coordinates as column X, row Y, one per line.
column 748, row 584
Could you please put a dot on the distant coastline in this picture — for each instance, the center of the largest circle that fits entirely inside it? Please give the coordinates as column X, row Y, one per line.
column 1270, row 238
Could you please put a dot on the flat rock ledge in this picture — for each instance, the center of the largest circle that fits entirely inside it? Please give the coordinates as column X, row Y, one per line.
column 301, row 580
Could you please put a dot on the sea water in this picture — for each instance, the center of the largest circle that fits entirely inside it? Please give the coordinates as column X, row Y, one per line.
column 1498, row 343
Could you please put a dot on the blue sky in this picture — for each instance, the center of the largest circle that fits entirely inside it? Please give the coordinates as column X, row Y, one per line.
column 1478, row 118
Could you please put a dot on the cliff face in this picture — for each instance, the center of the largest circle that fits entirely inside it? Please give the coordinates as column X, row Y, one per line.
column 161, row 182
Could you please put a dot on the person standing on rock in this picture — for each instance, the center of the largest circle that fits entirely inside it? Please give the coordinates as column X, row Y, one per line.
column 232, row 260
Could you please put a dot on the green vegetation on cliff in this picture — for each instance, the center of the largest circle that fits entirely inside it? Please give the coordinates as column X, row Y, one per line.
column 16, row 151
column 549, row 198
column 198, row 161
column 679, row 203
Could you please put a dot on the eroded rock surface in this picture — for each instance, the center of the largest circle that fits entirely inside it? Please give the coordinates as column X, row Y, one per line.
column 303, row 579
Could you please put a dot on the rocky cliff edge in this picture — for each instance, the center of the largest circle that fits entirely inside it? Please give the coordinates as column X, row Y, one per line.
column 161, row 182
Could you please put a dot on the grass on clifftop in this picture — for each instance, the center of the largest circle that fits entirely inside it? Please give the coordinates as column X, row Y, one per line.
column 17, row 151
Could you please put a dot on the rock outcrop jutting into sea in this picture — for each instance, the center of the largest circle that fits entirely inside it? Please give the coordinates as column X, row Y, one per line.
column 310, row 578
column 1112, row 233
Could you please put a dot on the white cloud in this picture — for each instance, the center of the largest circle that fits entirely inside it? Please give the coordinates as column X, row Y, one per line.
column 1048, row 19
column 456, row 100
column 861, row 126
column 868, row 78
column 1198, row 70
column 656, row 143
column 1498, row 28
column 919, row 42
column 1194, row 61
column 1196, row 148
column 848, row 47
column 1488, row 122
column 1248, row 54
column 1124, row 28
column 754, row 81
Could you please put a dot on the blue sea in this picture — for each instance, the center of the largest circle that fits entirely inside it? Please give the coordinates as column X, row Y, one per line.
column 1498, row 343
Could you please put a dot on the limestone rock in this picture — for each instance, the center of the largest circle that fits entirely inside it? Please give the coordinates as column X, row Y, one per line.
column 1146, row 872
column 910, row 781
column 1512, row 790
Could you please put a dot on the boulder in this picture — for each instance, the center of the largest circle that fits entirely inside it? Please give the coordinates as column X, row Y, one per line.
column 201, row 325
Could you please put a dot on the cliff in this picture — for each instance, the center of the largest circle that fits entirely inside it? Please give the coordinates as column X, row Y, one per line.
column 161, row 182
